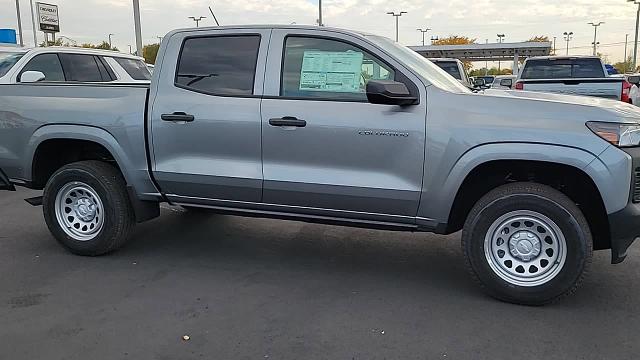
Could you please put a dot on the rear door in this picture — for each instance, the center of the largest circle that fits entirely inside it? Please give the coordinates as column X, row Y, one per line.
column 326, row 150
column 205, row 116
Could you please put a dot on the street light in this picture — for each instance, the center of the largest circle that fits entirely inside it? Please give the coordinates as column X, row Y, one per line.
column 500, row 40
column 320, row 13
column 19, row 23
column 197, row 19
column 396, row 16
column 423, row 32
column 567, row 37
column 110, row 47
column 626, row 40
column 138, row 29
column 595, row 35
column 635, row 43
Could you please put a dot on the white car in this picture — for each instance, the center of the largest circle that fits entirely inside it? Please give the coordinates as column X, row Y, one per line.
column 70, row 64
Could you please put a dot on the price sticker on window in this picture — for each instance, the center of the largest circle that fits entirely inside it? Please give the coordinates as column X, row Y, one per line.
column 331, row 71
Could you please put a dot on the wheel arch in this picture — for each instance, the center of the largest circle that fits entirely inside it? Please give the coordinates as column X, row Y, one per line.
column 74, row 133
column 482, row 168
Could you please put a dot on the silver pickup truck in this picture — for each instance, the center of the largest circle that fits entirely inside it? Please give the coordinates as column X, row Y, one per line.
column 571, row 75
column 332, row 126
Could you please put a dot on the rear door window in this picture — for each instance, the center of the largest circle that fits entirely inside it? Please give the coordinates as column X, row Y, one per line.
column 137, row 69
column 48, row 64
column 563, row 69
column 451, row 68
column 219, row 65
column 82, row 68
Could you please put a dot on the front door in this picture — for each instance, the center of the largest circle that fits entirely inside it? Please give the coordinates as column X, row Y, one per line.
column 326, row 150
column 206, row 131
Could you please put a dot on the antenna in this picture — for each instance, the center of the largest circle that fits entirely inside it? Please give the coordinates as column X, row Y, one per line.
column 214, row 16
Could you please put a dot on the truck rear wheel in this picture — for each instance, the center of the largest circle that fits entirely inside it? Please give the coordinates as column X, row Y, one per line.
column 527, row 243
column 87, row 209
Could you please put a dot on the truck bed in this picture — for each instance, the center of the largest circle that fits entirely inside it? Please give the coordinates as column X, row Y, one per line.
column 31, row 113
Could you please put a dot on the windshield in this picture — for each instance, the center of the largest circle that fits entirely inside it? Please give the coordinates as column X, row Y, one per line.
column 7, row 60
column 420, row 65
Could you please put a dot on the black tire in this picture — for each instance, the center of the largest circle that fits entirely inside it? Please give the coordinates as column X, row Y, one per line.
column 543, row 200
column 118, row 216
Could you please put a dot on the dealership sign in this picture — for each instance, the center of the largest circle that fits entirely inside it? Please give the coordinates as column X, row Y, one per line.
column 48, row 17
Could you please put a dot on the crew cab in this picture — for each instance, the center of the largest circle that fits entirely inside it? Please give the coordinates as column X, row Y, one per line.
column 70, row 64
column 333, row 126
column 572, row 75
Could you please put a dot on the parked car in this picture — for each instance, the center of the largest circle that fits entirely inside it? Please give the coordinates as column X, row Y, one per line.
column 488, row 79
column 573, row 75
column 634, row 90
column 455, row 68
column 332, row 126
column 503, row 82
column 61, row 64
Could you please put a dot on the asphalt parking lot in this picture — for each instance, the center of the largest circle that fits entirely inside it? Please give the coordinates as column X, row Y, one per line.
column 266, row 289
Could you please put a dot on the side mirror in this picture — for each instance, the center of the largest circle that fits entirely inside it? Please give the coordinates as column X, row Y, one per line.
column 506, row 82
column 31, row 76
column 389, row 92
column 479, row 83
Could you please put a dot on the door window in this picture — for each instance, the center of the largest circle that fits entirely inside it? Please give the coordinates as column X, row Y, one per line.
column 329, row 69
column 219, row 65
column 48, row 64
column 82, row 68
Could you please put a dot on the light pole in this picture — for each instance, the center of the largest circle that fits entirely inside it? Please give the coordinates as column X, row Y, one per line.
column 554, row 45
column 567, row 37
column 626, row 39
column 595, row 35
column 396, row 16
column 19, row 23
column 423, row 32
column 136, row 21
column 33, row 25
column 500, row 40
column 320, row 13
column 197, row 19
column 110, row 47
column 635, row 43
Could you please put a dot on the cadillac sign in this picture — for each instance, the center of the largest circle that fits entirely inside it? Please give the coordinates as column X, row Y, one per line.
column 48, row 18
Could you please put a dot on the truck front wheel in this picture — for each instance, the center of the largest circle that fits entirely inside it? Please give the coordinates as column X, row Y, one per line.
column 87, row 209
column 527, row 243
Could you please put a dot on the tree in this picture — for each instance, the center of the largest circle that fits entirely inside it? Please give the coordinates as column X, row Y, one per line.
column 103, row 45
column 454, row 40
column 493, row 71
column 624, row 66
column 539, row 38
column 457, row 40
column 149, row 53
column 58, row 42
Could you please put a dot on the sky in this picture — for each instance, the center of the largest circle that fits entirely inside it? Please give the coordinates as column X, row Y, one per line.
column 92, row 20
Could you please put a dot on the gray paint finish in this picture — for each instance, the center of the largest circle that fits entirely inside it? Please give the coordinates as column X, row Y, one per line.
column 231, row 157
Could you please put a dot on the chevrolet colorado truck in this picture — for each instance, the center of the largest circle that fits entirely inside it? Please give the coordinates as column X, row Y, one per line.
column 571, row 75
column 332, row 126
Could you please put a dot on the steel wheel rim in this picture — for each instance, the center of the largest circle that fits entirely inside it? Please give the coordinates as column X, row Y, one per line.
column 525, row 248
column 79, row 211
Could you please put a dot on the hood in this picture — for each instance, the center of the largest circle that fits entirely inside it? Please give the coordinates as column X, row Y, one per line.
column 602, row 109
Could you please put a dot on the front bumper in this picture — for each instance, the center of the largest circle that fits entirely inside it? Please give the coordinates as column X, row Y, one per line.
column 625, row 223
column 5, row 184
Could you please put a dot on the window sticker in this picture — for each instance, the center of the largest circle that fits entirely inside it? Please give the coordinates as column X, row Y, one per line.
column 331, row 71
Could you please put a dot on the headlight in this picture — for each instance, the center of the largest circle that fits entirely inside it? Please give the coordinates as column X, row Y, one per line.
column 618, row 134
